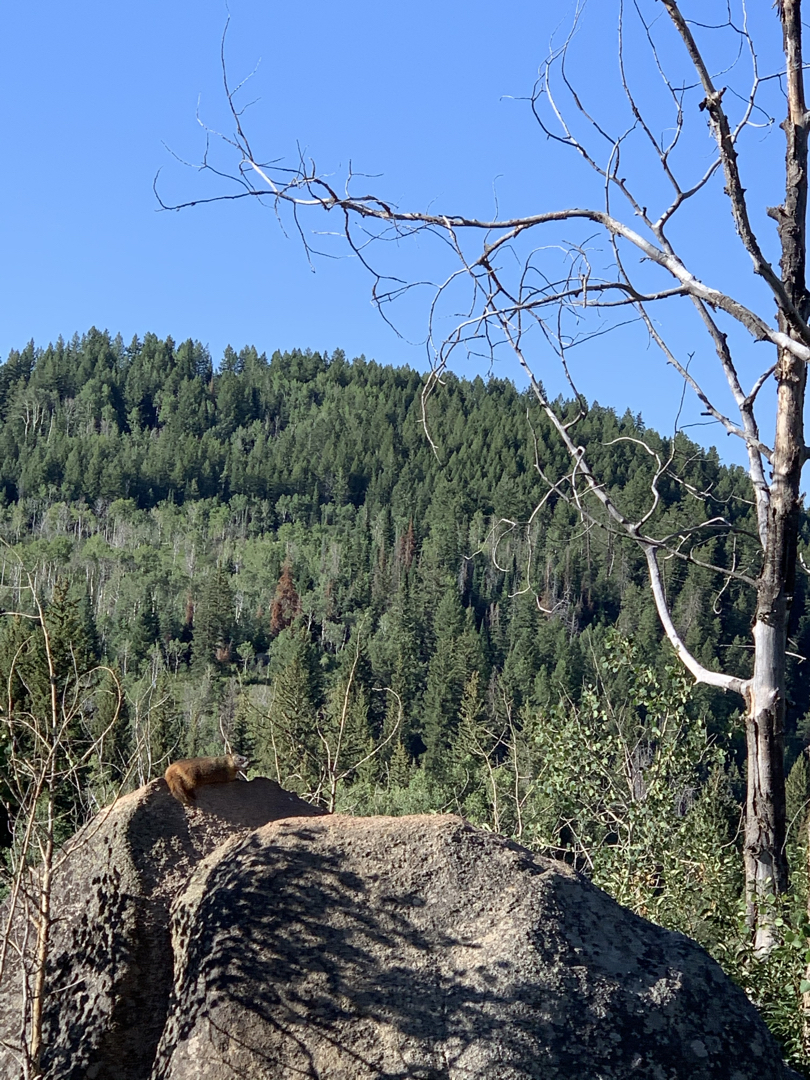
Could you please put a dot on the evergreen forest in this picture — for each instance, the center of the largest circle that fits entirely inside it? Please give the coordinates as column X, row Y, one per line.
column 270, row 554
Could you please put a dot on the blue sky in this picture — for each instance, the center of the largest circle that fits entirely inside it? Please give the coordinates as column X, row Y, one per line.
column 425, row 96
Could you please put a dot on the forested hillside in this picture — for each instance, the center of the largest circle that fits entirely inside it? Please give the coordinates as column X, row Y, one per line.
column 270, row 552
column 172, row 496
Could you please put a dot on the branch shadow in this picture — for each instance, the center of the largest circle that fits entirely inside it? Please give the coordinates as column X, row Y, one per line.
column 296, row 965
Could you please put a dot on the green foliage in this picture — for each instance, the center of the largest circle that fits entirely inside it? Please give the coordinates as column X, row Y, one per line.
column 225, row 538
column 61, row 729
column 214, row 622
column 778, row 984
column 634, row 789
column 285, row 736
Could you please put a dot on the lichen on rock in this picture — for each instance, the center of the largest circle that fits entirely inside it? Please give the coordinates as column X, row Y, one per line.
column 254, row 936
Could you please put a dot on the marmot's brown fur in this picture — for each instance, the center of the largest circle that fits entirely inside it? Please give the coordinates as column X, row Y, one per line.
column 184, row 777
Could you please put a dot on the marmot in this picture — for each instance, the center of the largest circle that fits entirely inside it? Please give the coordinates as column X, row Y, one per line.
column 184, row 777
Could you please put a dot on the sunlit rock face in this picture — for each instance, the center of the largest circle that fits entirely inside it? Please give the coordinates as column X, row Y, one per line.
column 252, row 936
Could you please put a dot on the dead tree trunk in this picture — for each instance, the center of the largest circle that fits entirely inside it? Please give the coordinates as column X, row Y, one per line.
column 513, row 290
column 765, row 809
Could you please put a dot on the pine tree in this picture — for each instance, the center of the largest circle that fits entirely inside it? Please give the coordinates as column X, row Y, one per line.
column 402, row 667
column 797, row 798
column 400, row 768
column 286, row 738
column 471, row 738
column 241, row 737
column 72, row 643
column 144, row 629
column 475, row 754
column 445, row 682
column 346, row 733
column 456, row 655
column 89, row 628
column 112, row 717
column 68, row 717
column 214, row 622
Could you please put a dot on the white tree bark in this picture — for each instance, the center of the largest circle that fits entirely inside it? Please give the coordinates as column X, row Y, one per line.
column 510, row 293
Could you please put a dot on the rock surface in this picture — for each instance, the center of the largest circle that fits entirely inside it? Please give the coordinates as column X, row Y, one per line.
column 110, row 960
column 366, row 948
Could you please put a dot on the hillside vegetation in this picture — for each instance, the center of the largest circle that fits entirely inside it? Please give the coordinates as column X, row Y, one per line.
column 273, row 553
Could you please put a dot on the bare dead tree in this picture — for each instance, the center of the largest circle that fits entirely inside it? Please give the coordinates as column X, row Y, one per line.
column 336, row 763
column 543, row 273
column 45, row 763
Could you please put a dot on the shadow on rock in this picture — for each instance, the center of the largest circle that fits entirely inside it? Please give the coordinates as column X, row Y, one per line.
column 421, row 948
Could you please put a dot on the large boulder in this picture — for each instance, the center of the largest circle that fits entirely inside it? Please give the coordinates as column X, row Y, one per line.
column 359, row 948
column 110, row 966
